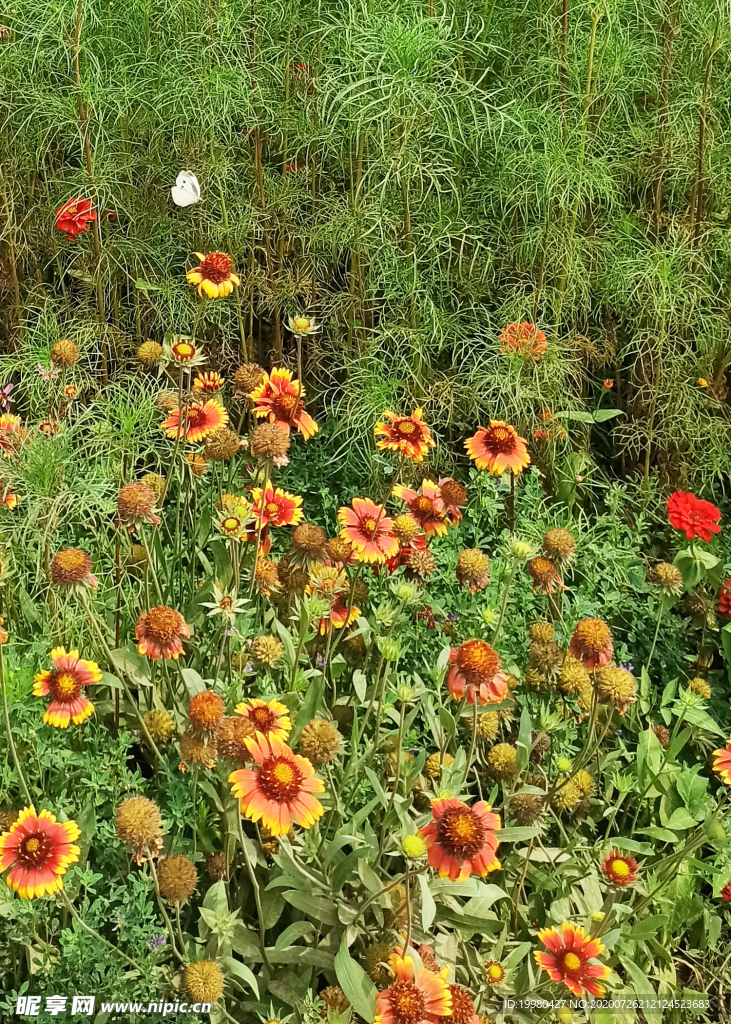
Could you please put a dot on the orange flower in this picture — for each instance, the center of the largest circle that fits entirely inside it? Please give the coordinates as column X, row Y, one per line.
column 64, row 683
column 270, row 720
column 591, row 643
column 620, row 868
column 210, row 381
column 279, row 399
column 214, row 277
column 9, row 431
column 38, row 850
column 569, row 951
column 368, row 530
column 198, row 420
column 276, row 507
column 206, row 709
column 722, row 763
column 461, row 840
column 416, row 996
column 427, row 507
column 158, row 633
column 407, row 435
column 476, row 668
column 523, row 339
column 281, row 790
column 497, row 448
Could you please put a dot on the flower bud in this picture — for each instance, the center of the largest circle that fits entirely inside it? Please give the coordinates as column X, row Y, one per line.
column 520, row 549
column 390, row 649
column 564, row 765
column 413, row 846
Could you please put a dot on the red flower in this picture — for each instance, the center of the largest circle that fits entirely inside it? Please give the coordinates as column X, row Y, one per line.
column 64, row 683
column 569, row 951
column 523, row 339
column 725, row 893
column 461, row 840
column 279, row 399
column 476, row 667
column 419, row 543
column 275, row 507
column 38, row 850
column 407, row 435
column 497, row 448
column 620, row 868
column 368, row 530
column 696, row 517
column 427, row 506
column 722, row 763
column 416, row 996
column 75, row 216
column 724, row 598
column 198, row 420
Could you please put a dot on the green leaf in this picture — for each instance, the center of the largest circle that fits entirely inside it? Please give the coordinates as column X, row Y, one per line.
column 524, row 740
column 647, row 927
column 308, row 711
column 518, row 834
column 242, row 972
column 145, row 286
column 663, row 834
column 601, row 415
column 355, row 983
column 321, row 908
column 428, row 906
column 295, row 931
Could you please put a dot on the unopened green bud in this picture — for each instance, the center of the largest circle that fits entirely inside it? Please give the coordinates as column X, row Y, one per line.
column 520, row 549
column 389, row 648
column 563, row 764
column 488, row 616
column 405, row 693
column 385, row 614
column 406, row 593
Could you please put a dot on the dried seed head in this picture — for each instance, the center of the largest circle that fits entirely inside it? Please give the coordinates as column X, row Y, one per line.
column 139, row 823
column 309, row 539
column 221, row 445
column 64, row 353
column 267, row 649
column 136, row 501
column 422, row 563
column 270, row 442
column 204, row 981
column 159, row 724
column 320, row 741
column 558, row 544
column 246, row 378
column 501, row 760
column 149, row 353
column 177, row 877
column 206, row 710
column 473, row 570
column 526, row 808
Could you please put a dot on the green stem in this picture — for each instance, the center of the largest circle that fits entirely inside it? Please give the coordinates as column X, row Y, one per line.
column 74, row 913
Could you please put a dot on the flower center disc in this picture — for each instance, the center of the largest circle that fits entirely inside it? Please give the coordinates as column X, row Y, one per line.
column 216, row 267
column 369, row 526
column 572, row 963
column 163, row 622
column 620, row 868
column 63, row 685
column 407, row 1002
column 34, row 850
column 288, row 402
column 182, row 350
column 272, row 508
column 499, row 439
column 280, row 779
column 262, row 718
column 460, row 832
column 406, row 427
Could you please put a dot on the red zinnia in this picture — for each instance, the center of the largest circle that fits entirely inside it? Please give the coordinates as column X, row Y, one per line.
column 368, row 530
column 407, row 435
column 38, row 850
column 722, row 763
column 416, row 996
column 476, row 667
column 497, row 448
column 694, row 516
column 279, row 399
column 569, row 951
column 461, row 840
column 75, row 216
column 523, row 339
column 620, row 868
column 426, row 506
column 198, row 420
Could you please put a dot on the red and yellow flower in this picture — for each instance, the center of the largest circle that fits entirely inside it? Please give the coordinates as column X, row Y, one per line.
column 38, row 850
column 64, row 683
column 415, row 997
column 426, row 506
column 569, row 956
column 461, row 840
column 407, row 435
column 208, row 382
column 523, row 339
column 368, row 530
column 271, row 720
column 275, row 507
column 279, row 398
column 498, row 448
column 330, row 582
column 75, row 216
column 722, row 763
column 196, row 421
column 159, row 631
column 10, row 426
column 591, row 643
column 620, row 868
column 694, row 516
column 214, row 277
column 280, row 790
column 476, row 668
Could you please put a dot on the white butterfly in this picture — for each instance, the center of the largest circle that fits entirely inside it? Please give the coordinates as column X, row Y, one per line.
column 186, row 189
